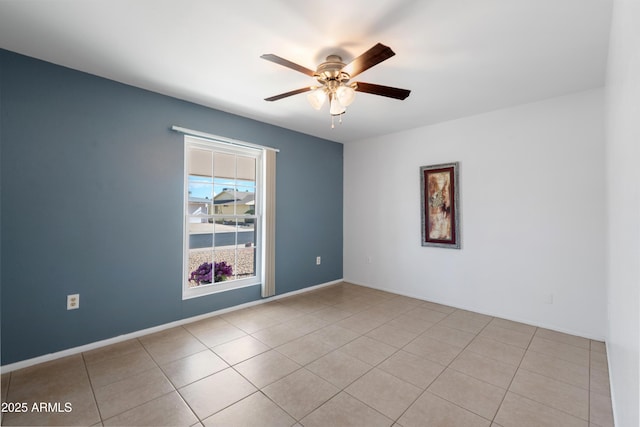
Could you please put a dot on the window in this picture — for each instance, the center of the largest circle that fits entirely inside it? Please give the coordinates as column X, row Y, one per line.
column 223, row 217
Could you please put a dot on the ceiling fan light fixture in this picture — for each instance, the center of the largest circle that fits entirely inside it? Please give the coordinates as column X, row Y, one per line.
column 317, row 97
column 336, row 108
column 345, row 94
column 333, row 75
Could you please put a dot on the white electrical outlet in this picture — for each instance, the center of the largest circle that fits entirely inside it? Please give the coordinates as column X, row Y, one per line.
column 548, row 299
column 73, row 301
column 318, row 260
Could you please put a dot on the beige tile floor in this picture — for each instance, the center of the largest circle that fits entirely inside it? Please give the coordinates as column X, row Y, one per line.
column 342, row 355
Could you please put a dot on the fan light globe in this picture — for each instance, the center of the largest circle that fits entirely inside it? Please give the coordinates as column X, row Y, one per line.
column 316, row 98
column 336, row 108
column 345, row 95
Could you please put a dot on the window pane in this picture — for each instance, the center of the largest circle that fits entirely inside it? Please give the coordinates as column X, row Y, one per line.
column 197, row 257
column 246, row 262
column 198, row 207
column 224, row 166
column 225, row 246
column 247, row 238
column 246, row 200
column 200, row 162
column 200, row 189
column 200, row 235
column 246, row 232
column 246, row 168
column 225, row 263
column 225, row 230
column 225, row 199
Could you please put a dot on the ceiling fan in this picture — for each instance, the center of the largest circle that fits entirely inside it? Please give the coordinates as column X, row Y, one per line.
column 333, row 77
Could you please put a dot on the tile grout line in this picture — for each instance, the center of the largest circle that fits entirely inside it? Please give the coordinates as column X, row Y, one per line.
column 157, row 365
column 260, row 389
column 284, row 355
column 176, row 389
column 372, row 368
column 514, row 375
column 186, row 404
column 340, row 390
column 558, row 379
column 3, row 418
column 542, row 403
column 93, row 391
column 426, row 390
column 458, row 355
column 343, row 389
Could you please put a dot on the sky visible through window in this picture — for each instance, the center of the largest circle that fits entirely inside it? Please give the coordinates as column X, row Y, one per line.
column 201, row 186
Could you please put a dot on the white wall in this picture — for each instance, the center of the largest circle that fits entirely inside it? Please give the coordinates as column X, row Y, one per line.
column 623, row 181
column 532, row 214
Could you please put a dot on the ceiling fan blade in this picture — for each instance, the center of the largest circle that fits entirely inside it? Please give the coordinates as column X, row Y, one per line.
column 286, row 63
column 390, row 92
column 372, row 57
column 286, row 94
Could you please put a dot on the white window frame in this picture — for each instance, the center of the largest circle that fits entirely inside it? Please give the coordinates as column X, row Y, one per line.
column 224, row 147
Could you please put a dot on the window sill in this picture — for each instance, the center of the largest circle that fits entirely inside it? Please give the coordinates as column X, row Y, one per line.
column 214, row 288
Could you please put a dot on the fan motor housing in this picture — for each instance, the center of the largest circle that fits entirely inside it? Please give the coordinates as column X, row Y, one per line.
column 331, row 70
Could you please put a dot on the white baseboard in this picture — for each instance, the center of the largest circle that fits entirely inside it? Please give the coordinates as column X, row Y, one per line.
column 120, row 338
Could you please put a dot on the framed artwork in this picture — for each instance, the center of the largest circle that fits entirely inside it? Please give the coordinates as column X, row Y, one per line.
column 440, row 205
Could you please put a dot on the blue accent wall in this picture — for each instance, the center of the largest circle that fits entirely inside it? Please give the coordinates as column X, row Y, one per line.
column 91, row 203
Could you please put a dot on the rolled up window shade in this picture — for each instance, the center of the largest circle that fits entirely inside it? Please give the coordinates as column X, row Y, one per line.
column 269, row 265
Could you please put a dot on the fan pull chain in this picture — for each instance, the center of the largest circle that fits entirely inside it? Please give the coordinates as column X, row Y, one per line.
column 333, row 126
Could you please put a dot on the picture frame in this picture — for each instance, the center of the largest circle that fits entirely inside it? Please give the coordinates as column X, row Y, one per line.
column 440, row 205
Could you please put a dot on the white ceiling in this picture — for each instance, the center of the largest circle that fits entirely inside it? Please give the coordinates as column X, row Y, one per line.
column 458, row 57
